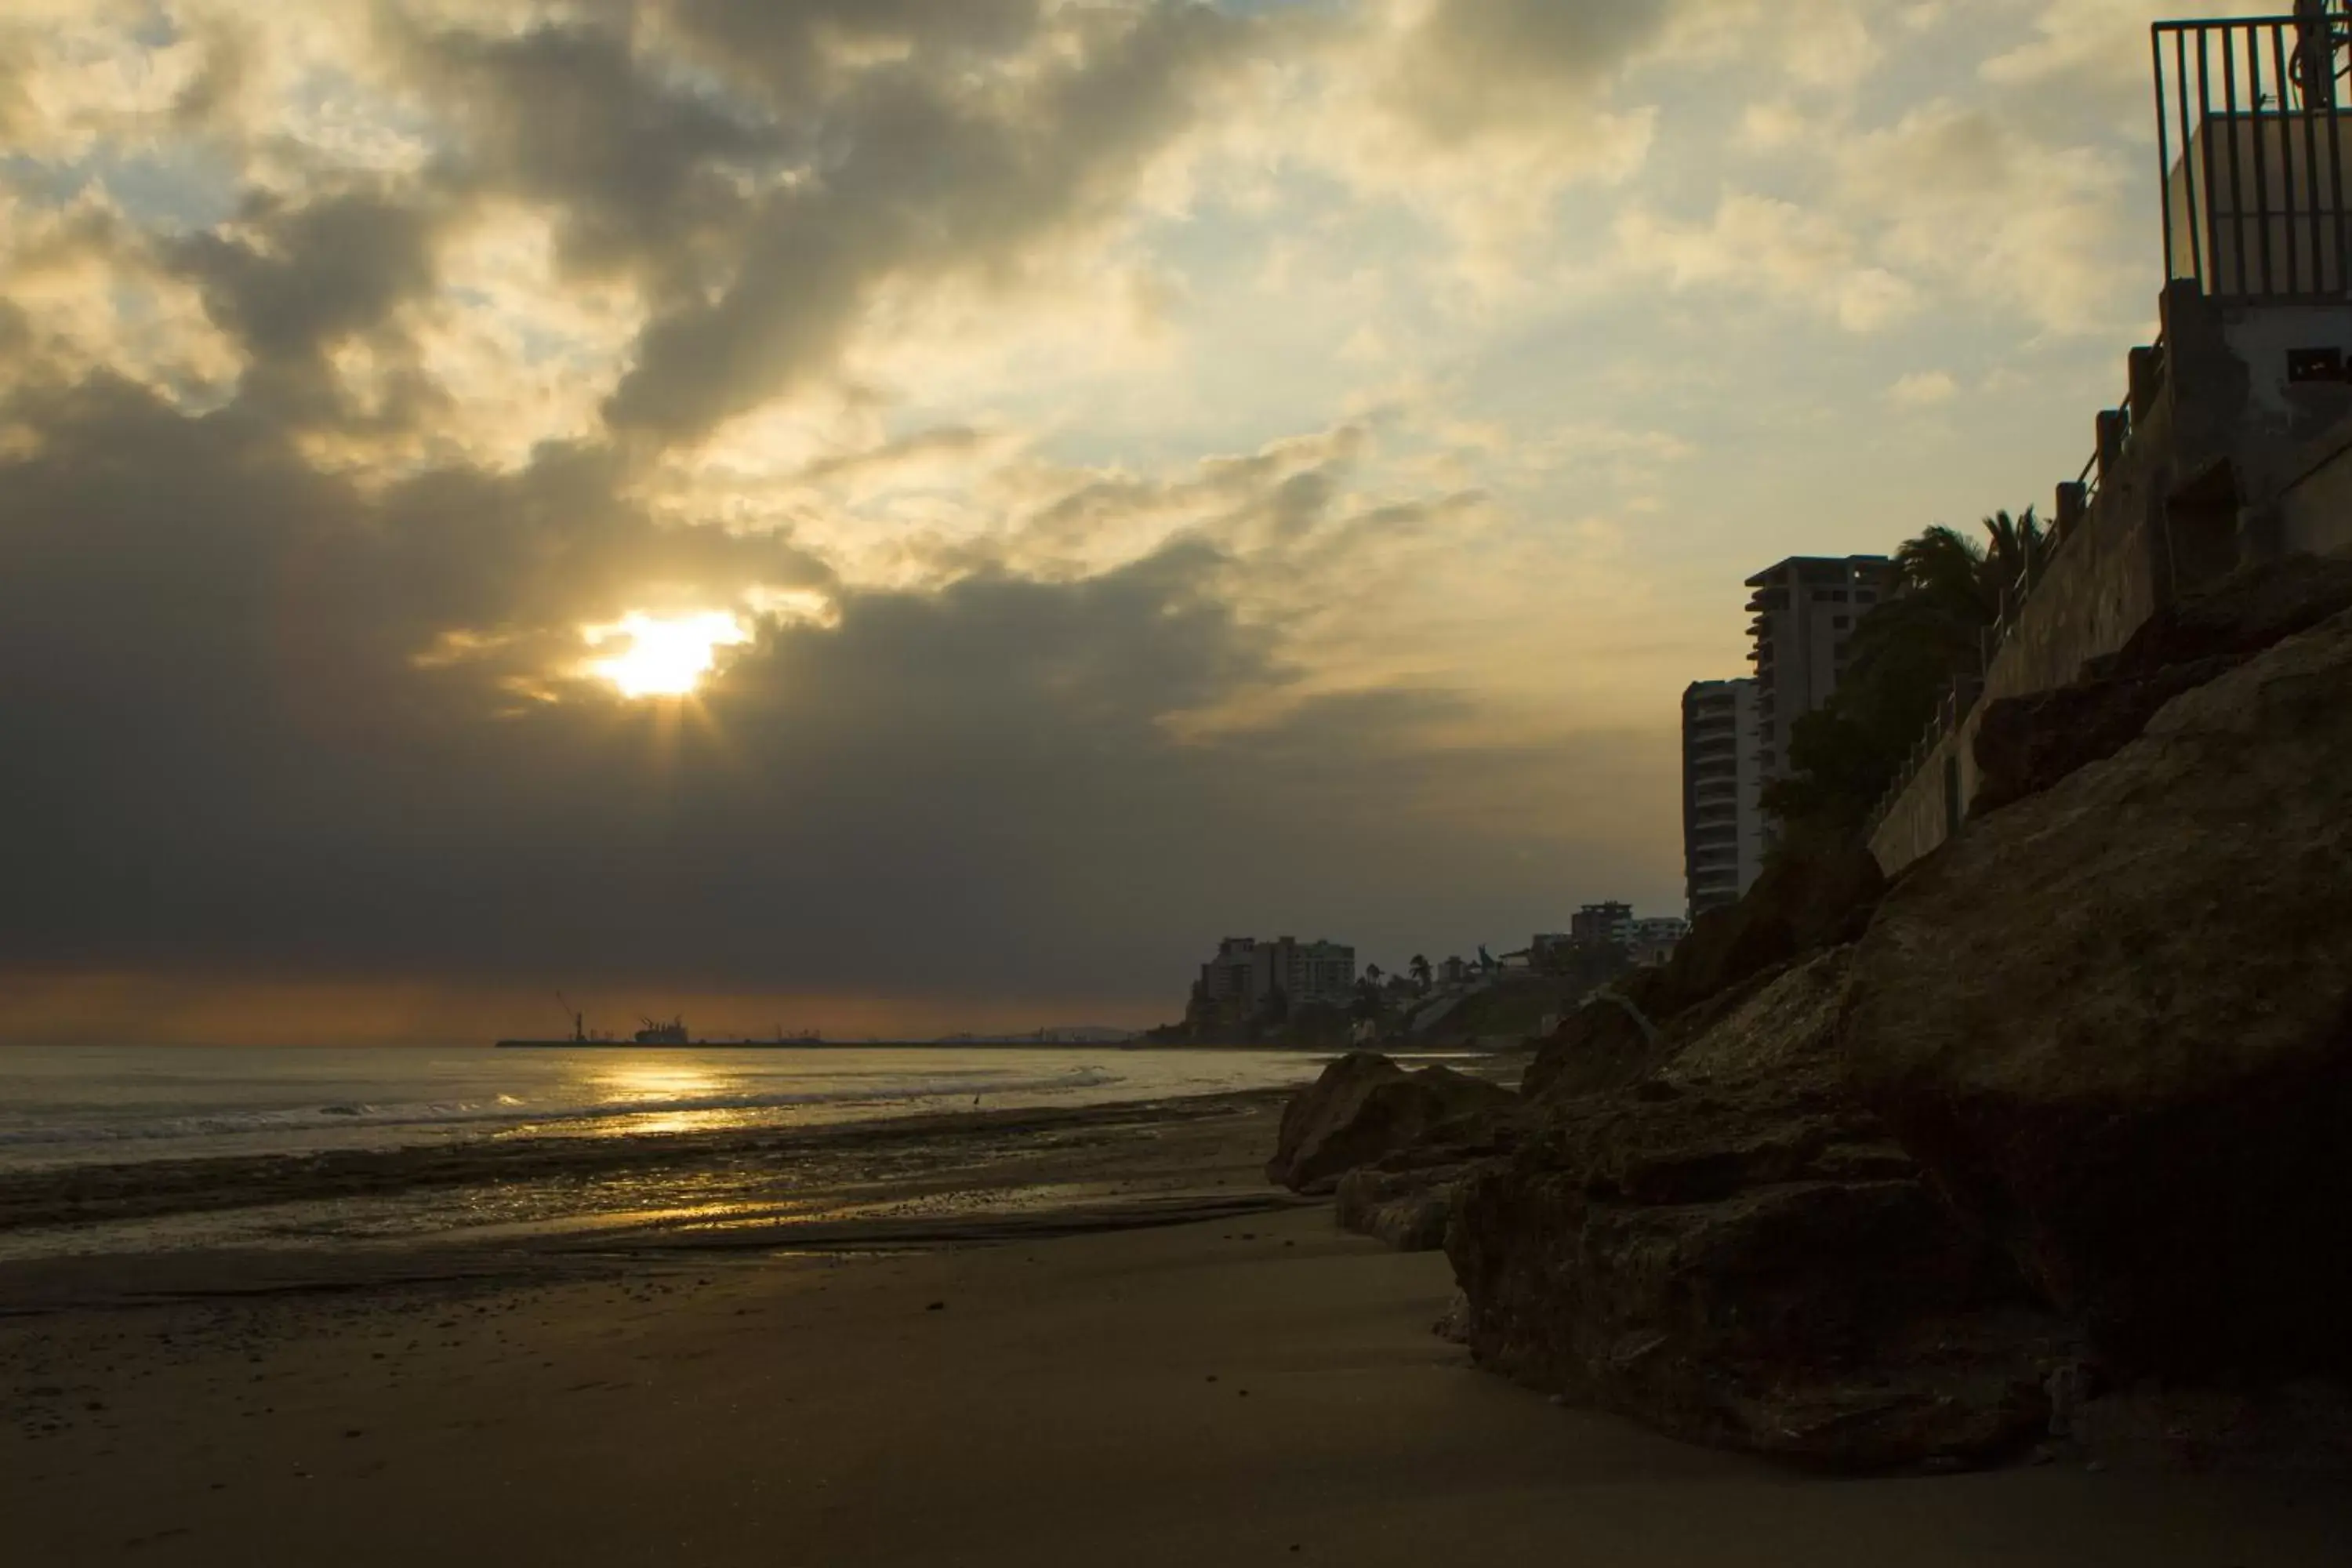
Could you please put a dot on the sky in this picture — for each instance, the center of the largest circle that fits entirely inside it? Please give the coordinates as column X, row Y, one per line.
column 1138, row 471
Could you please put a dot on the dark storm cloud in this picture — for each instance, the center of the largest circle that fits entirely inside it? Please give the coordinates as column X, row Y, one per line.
column 224, row 751
column 922, row 183
column 292, row 281
column 850, row 175
column 639, row 168
column 823, row 148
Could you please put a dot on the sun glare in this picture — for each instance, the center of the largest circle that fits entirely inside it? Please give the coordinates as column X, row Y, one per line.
column 661, row 657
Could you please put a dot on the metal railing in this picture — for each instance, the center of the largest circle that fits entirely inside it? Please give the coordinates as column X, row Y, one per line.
column 2255, row 208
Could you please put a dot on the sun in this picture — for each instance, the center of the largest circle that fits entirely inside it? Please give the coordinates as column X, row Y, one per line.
column 662, row 655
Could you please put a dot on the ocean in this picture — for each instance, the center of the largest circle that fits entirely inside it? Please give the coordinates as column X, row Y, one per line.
column 139, row 1151
column 113, row 1105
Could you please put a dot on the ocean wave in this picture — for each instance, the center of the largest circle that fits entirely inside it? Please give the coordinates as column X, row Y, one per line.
column 340, row 1116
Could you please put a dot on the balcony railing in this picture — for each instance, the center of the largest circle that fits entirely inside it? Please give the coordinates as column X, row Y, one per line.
column 2252, row 111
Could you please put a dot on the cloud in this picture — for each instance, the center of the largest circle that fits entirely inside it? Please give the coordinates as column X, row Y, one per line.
column 921, row 175
column 1961, row 196
column 1923, row 389
column 290, row 283
column 1777, row 248
column 1466, row 69
column 2101, row 42
column 245, row 763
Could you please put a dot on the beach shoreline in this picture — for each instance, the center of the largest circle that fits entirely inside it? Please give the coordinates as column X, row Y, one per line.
column 1248, row 1389
column 1076, row 1335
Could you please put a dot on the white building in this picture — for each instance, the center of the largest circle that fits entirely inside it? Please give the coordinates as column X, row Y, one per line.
column 1247, row 971
column 1723, row 816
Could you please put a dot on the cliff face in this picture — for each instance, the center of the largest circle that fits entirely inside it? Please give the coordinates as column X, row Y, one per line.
column 2114, row 1020
column 1736, row 1251
column 2073, row 1105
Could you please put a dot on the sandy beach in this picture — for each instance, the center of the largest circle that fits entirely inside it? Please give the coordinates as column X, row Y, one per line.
column 1082, row 1384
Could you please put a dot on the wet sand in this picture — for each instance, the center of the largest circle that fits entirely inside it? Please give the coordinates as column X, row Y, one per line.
column 1250, row 1388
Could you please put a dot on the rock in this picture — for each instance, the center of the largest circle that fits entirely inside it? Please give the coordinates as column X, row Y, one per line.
column 1406, row 1209
column 1604, row 1044
column 2026, row 744
column 1749, row 1261
column 1365, row 1107
column 1802, row 904
column 2114, row 1020
column 2302, row 1426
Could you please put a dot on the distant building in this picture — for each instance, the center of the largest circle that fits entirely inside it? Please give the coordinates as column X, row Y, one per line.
column 1802, row 611
column 1602, row 925
column 1455, row 972
column 1723, row 784
column 1235, row 984
column 1654, row 941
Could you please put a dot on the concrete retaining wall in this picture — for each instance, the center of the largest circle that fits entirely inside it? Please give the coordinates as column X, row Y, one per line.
column 2109, row 575
column 2233, row 457
column 2314, row 514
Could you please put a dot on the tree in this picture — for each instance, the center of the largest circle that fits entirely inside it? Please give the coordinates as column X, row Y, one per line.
column 1372, row 972
column 1420, row 967
column 1904, row 654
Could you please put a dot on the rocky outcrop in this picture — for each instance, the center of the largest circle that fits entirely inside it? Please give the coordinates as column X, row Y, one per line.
column 1733, row 1249
column 1365, row 1108
column 2027, row 744
column 1406, row 1209
column 2113, row 1021
column 1805, row 902
column 1605, row 1045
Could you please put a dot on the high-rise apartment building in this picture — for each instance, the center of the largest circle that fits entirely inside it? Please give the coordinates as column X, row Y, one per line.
column 1723, row 817
column 1802, row 611
column 1235, row 985
column 1602, row 925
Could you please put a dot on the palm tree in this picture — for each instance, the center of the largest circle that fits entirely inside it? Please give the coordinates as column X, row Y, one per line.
column 2019, row 547
column 1947, row 589
column 1420, row 967
column 1903, row 656
column 1966, row 582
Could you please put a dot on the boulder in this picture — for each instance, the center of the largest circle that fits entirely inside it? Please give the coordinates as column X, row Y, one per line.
column 1605, row 1045
column 1406, row 1209
column 2113, row 1021
column 1365, row 1107
column 1734, row 1250
column 2026, row 744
